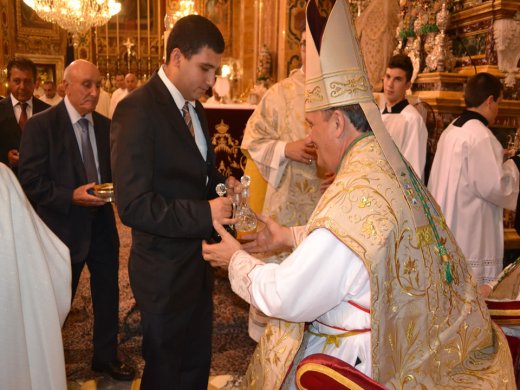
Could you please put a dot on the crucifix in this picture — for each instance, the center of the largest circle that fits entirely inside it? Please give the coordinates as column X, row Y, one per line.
column 128, row 44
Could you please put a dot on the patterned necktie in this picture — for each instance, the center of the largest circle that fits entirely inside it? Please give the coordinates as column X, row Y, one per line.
column 88, row 154
column 187, row 118
column 23, row 114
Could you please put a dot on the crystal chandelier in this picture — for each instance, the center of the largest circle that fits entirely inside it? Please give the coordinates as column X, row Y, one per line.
column 75, row 16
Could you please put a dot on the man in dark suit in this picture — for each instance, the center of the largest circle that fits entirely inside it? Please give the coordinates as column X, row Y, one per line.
column 64, row 152
column 17, row 108
column 164, row 179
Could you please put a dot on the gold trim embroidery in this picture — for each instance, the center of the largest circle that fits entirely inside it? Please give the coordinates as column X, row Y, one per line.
column 424, row 236
column 313, row 95
column 357, row 84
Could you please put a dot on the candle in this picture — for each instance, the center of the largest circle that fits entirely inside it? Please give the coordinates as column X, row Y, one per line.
column 117, row 39
column 106, row 37
column 148, row 31
column 158, row 31
column 138, row 33
column 96, row 45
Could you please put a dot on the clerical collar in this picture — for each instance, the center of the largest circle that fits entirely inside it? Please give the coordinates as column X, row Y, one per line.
column 396, row 108
column 467, row 116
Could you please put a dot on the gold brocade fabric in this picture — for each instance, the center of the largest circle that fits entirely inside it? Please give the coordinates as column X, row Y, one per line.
column 426, row 333
column 280, row 117
column 273, row 355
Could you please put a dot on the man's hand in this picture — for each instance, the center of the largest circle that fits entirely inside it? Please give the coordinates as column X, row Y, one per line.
column 219, row 255
column 233, row 186
column 273, row 237
column 221, row 209
column 302, row 150
column 81, row 197
column 13, row 156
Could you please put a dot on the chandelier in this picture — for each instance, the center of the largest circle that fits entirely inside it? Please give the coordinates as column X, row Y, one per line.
column 75, row 16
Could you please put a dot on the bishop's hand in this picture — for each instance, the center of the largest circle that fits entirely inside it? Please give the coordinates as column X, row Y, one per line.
column 219, row 255
column 272, row 238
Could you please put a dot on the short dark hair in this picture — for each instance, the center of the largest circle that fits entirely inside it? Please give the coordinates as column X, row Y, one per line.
column 51, row 82
column 402, row 61
column 355, row 113
column 22, row 63
column 480, row 87
column 192, row 33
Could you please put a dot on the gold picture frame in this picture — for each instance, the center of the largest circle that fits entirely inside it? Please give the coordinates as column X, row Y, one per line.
column 220, row 12
column 47, row 66
column 28, row 23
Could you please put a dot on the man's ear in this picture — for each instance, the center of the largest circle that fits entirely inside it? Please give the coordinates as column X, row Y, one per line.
column 490, row 99
column 176, row 56
column 340, row 122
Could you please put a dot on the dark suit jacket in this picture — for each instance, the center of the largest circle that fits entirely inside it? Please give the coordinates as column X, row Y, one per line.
column 10, row 133
column 51, row 168
column 161, row 193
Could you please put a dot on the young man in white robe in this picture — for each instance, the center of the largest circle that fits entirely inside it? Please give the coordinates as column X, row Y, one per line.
column 403, row 122
column 375, row 273
column 50, row 96
column 471, row 181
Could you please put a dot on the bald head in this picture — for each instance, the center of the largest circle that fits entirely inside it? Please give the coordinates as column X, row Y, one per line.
column 130, row 82
column 82, row 82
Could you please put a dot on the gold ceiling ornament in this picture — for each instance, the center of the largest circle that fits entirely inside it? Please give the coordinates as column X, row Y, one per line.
column 180, row 9
column 75, row 16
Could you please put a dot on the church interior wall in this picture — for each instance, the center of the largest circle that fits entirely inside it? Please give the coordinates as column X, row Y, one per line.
column 263, row 45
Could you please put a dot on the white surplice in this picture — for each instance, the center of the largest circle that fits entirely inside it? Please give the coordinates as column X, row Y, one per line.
column 51, row 102
column 473, row 185
column 409, row 133
column 35, row 294
column 322, row 282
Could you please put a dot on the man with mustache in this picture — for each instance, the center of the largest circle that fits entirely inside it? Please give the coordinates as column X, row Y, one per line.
column 65, row 151
column 19, row 106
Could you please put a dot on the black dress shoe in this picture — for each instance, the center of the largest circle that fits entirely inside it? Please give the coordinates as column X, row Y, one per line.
column 116, row 369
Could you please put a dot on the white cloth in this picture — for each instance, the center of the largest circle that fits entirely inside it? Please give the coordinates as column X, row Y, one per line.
column 53, row 101
column 103, row 105
column 314, row 284
column 35, row 294
column 472, row 186
column 117, row 96
column 409, row 133
column 118, row 92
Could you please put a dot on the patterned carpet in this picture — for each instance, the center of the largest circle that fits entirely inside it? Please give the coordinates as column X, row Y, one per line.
column 231, row 347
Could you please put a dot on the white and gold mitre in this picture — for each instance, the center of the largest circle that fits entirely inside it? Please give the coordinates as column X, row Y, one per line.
column 335, row 74
column 335, row 71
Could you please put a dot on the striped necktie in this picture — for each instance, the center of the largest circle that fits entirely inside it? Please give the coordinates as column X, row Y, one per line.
column 187, row 118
